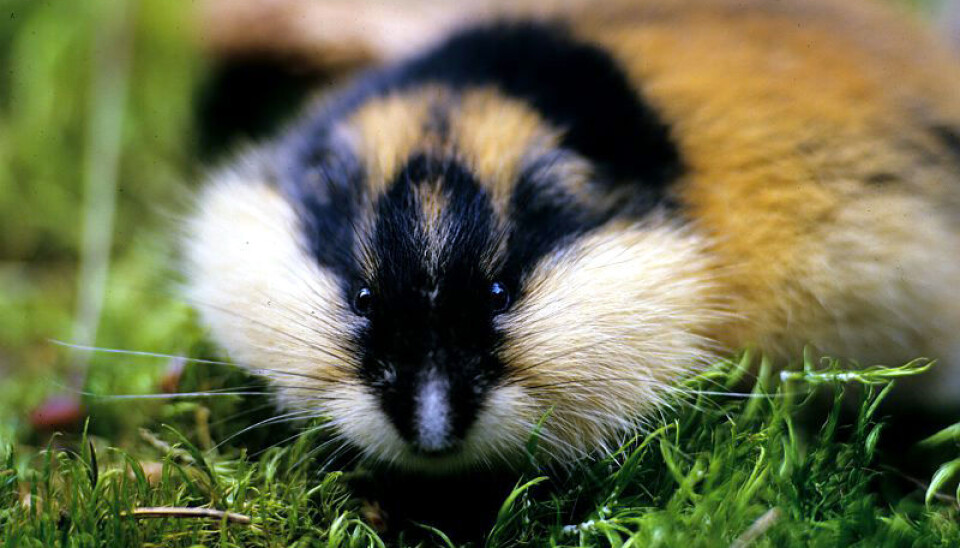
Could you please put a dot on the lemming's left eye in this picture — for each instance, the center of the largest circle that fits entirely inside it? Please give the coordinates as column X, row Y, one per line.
column 499, row 297
column 363, row 301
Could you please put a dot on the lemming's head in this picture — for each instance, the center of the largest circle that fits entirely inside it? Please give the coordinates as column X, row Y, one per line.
column 437, row 268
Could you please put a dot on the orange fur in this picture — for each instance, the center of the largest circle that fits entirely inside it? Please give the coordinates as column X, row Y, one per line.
column 785, row 112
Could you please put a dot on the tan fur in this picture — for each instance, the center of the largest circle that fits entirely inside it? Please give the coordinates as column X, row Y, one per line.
column 387, row 131
column 489, row 132
column 495, row 134
column 784, row 112
column 432, row 202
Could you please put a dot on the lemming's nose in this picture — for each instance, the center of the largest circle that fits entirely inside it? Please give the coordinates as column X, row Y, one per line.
column 433, row 417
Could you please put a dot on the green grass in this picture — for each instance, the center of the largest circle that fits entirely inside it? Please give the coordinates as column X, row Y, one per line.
column 97, row 147
column 718, row 471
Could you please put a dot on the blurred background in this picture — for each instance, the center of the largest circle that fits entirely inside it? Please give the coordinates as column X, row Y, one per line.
column 109, row 112
column 97, row 147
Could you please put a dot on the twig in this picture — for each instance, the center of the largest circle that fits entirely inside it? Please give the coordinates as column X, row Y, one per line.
column 157, row 443
column 758, row 528
column 188, row 512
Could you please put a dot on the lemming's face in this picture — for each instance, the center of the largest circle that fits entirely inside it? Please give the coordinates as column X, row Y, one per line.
column 436, row 274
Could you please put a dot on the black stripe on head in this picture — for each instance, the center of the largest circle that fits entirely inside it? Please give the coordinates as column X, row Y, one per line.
column 574, row 86
column 545, row 215
column 466, row 228
column 432, row 323
column 325, row 181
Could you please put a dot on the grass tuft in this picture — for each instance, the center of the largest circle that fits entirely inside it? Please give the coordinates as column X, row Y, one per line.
column 721, row 471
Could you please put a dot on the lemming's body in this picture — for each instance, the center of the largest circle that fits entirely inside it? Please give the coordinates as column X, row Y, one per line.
column 565, row 218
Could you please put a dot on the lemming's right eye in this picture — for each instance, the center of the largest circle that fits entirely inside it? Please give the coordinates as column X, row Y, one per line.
column 363, row 301
column 499, row 297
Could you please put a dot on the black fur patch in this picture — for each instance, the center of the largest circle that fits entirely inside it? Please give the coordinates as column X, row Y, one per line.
column 573, row 85
column 248, row 98
column 325, row 182
column 423, row 321
column 949, row 136
column 544, row 217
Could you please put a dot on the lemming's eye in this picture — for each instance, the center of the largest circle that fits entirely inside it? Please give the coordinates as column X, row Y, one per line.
column 363, row 301
column 499, row 297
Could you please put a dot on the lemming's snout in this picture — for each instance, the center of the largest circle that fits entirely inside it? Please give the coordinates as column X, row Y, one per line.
column 431, row 410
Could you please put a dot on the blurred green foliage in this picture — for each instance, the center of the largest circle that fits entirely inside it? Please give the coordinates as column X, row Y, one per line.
column 58, row 57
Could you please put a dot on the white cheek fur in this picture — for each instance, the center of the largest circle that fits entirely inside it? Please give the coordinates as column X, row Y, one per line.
column 606, row 330
column 262, row 297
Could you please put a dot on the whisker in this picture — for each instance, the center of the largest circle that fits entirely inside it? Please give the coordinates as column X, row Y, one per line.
column 339, row 452
column 240, row 414
column 674, row 389
column 515, row 373
column 599, row 379
column 300, row 434
column 286, row 417
column 743, row 395
column 336, row 453
column 209, row 394
column 121, row 351
column 350, row 364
